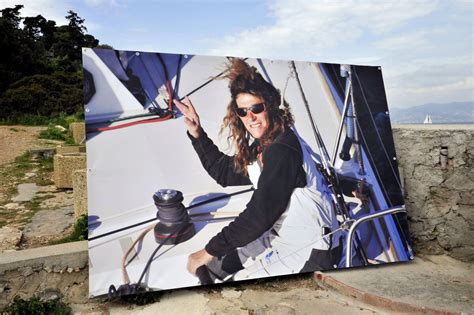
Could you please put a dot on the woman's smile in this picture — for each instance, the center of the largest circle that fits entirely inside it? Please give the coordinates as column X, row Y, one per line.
column 256, row 124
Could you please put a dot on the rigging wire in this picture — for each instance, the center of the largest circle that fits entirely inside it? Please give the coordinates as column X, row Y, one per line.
column 152, row 256
column 152, row 102
column 327, row 170
column 377, row 131
column 139, row 122
column 216, row 217
column 168, row 84
column 170, row 100
column 206, row 83
column 187, row 208
column 373, row 159
column 178, row 76
column 323, row 153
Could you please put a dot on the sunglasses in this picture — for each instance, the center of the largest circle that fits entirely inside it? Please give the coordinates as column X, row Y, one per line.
column 255, row 108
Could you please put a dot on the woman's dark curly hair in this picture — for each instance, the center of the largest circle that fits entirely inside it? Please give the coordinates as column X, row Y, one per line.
column 245, row 79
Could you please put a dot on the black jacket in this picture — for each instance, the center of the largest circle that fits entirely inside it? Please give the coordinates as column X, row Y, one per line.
column 282, row 172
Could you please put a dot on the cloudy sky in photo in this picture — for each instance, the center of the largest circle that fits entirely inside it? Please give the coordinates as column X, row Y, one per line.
column 425, row 48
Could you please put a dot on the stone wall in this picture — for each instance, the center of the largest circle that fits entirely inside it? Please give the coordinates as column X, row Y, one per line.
column 437, row 164
column 51, row 272
column 65, row 165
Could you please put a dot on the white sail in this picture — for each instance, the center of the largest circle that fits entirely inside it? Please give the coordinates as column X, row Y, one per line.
column 428, row 119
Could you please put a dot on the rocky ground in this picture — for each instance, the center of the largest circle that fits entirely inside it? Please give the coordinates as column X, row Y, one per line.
column 298, row 294
column 29, row 201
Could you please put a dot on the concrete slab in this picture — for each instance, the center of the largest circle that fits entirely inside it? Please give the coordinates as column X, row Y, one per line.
column 26, row 192
column 65, row 165
column 41, row 226
column 429, row 284
column 78, row 131
column 72, row 255
column 70, row 149
column 79, row 186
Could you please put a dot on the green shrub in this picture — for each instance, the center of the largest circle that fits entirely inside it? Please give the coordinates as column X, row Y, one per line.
column 54, row 133
column 43, row 95
column 78, row 234
column 37, row 306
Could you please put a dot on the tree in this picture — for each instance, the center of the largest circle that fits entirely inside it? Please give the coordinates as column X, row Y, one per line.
column 40, row 64
column 20, row 55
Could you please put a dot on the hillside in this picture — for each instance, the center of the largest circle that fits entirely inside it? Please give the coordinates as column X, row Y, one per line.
column 441, row 113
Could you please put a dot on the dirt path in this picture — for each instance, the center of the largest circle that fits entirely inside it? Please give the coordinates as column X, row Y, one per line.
column 15, row 140
column 24, row 220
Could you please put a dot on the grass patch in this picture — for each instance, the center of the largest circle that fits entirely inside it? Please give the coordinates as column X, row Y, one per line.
column 7, row 214
column 54, row 133
column 35, row 203
column 43, row 176
column 14, row 129
column 37, row 120
column 3, row 223
column 23, row 161
column 47, row 164
column 12, row 190
column 44, row 180
column 78, row 234
column 35, row 305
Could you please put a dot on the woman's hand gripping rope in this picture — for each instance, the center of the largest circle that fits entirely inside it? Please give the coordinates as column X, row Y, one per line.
column 198, row 259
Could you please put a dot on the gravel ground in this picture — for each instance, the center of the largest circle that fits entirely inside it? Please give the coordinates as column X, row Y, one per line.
column 15, row 140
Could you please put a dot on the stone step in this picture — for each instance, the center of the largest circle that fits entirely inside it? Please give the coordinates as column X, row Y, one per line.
column 435, row 284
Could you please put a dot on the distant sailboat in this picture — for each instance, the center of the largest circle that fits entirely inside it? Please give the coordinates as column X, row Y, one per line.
column 428, row 119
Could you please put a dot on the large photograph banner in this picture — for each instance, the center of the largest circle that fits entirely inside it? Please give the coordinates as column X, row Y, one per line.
column 208, row 169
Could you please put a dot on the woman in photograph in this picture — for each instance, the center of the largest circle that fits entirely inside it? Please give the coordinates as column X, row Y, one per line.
column 287, row 224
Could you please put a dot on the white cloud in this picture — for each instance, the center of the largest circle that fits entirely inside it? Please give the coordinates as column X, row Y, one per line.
column 311, row 27
column 103, row 3
column 411, row 40
column 415, row 40
column 50, row 9
column 432, row 80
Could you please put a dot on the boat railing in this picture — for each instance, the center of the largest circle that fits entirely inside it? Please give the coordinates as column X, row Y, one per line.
column 366, row 218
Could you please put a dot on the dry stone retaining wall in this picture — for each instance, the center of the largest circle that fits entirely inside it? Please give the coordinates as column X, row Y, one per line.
column 437, row 164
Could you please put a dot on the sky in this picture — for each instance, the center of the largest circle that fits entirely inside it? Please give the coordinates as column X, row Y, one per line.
column 425, row 48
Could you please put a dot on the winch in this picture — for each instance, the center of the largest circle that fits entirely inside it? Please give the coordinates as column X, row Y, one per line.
column 174, row 224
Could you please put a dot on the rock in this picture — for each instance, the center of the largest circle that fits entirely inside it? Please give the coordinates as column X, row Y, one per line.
column 78, row 293
column 10, row 237
column 70, row 270
column 26, row 271
column 57, row 268
column 50, row 294
column 60, row 128
column 46, row 189
column 230, row 294
column 60, row 200
column 26, row 192
column 11, row 206
column 48, row 269
column 29, row 175
column 41, row 226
